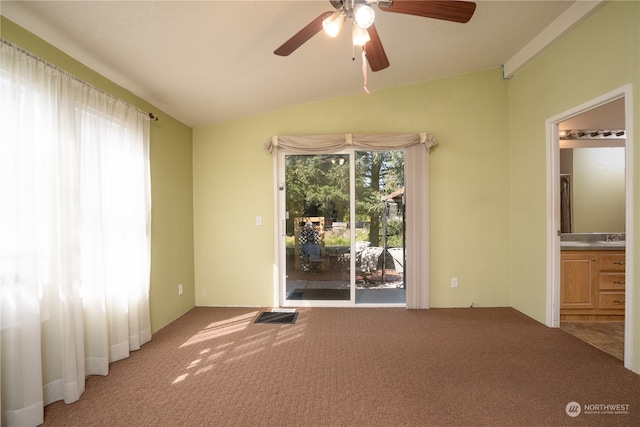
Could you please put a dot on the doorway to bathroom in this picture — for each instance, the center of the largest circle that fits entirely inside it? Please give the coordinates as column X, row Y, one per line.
column 590, row 206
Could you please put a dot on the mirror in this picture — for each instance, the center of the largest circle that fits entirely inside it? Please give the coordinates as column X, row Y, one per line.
column 593, row 190
column 592, row 171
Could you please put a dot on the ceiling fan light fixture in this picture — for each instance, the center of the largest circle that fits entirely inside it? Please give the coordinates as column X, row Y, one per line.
column 360, row 35
column 363, row 15
column 333, row 23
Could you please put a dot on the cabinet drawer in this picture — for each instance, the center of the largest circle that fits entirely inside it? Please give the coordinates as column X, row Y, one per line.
column 612, row 300
column 612, row 262
column 612, row 281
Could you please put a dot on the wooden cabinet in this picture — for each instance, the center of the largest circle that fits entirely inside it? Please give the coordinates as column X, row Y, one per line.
column 578, row 284
column 592, row 285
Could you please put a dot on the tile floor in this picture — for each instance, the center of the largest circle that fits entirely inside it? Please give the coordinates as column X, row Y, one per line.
column 607, row 336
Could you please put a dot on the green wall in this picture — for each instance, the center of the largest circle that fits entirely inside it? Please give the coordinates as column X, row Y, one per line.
column 233, row 183
column 599, row 56
column 171, row 185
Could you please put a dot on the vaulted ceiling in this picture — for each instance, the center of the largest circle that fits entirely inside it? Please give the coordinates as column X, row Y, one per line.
column 206, row 62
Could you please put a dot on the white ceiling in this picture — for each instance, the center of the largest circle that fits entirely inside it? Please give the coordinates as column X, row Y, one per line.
column 205, row 62
column 610, row 116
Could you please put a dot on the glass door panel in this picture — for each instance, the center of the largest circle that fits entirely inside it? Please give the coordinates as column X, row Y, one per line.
column 379, row 227
column 317, row 231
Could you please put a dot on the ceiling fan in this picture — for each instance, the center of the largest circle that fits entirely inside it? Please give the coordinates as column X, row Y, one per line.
column 364, row 31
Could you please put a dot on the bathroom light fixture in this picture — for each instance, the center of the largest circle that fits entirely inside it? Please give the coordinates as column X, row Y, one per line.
column 591, row 134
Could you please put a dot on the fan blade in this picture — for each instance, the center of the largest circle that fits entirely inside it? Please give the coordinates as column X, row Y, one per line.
column 302, row 36
column 456, row 11
column 376, row 55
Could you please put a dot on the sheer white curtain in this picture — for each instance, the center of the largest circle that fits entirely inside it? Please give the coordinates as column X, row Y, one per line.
column 416, row 148
column 74, row 234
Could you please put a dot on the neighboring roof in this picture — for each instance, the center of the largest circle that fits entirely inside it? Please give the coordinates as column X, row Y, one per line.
column 399, row 192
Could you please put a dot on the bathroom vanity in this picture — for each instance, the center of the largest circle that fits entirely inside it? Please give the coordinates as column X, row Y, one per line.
column 592, row 284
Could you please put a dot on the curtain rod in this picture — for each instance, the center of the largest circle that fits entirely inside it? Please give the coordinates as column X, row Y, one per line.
column 152, row 116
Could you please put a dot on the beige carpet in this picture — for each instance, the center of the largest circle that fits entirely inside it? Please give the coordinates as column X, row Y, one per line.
column 358, row 367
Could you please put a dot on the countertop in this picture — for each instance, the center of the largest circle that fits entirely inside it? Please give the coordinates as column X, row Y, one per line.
column 592, row 246
column 592, row 241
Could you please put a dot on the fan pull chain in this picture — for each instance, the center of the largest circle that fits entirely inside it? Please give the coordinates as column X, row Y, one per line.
column 364, row 71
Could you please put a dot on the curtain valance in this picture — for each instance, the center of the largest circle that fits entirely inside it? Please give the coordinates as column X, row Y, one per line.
column 336, row 142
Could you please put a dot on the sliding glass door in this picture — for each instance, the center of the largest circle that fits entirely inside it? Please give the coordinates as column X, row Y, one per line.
column 316, row 219
column 330, row 257
column 379, row 247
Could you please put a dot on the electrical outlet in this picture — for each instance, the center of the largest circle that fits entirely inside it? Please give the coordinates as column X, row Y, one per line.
column 454, row 282
column 180, row 289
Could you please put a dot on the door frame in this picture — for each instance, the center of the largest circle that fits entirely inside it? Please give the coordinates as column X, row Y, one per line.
column 553, row 211
column 279, row 271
